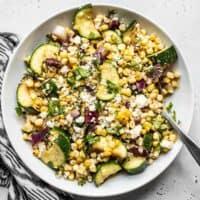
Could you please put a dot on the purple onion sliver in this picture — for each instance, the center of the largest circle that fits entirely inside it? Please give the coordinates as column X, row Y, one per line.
column 39, row 136
column 140, row 85
column 114, row 24
column 100, row 55
column 89, row 88
column 127, row 104
column 91, row 116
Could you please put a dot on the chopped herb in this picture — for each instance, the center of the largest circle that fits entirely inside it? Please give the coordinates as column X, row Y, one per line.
column 114, row 131
column 50, row 164
column 148, row 140
column 157, row 122
column 90, row 139
column 98, row 106
column 81, row 73
column 49, row 88
column 169, row 107
column 19, row 110
column 71, row 80
column 174, row 115
column 54, row 108
column 112, row 88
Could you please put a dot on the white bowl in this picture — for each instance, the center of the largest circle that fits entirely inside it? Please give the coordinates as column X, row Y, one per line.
column 122, row 183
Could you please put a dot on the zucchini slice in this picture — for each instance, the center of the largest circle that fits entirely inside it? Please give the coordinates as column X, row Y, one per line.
column 105, row 171
column 112, row 37
column 103, row 94
column 40, row 54
column 54, row 156
column 164, row 57
column 120, row 151
column 83, row 23
column 58, row 153
column 23, row 96
column 108, row 73
column 128, row 31
column 134, row 165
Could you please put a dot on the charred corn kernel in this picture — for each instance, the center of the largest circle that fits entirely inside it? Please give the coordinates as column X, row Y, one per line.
column 166, row 80
column 123, row 116
column 156, row 136
column 39, row 122
column 176, row 74
column 170, row 75
column 64, row 54
column 73, row 60
column 28, row 127
column 138, row 76
column 147, row 126
column 175, row 84
column 29, row 82
column 101, row 131
column 35, row 152
column 126, row 92
column 150, row 87
column 26, row 137
column 127, row 40
column 155, row 143
column 64, row 61
column 150, row 161
column 173, row 137
column 126, row 72
column 71, row 177
column 159, row 97
column 123, row 81
column 33, row 95
column 44, row 109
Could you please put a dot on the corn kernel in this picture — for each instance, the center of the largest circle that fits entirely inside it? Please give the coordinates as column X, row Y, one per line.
column 176, row 74
column 123, row 81
column 126, row 72
column 103, row 27
column 107, row 153
column 100, row 131
column 175, row 84
column 26, row 137
column 170, row 75
column 28, row 127
column 126, row 92
column 123, row 116
column 150, row 87
column 63, row 54
column 39, row 122
column 166, row 80
column 127, row 40
column 147, row 126
column 29, row 82
column 173, row 137
column 159, row 97
column 138, row 76
column 71, row 177
column 155, row 143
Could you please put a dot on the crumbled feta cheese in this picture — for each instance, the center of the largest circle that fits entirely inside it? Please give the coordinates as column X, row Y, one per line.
column 69, row 118
column 84, row 45
column 92, row 107
column 118, row 98
column 110, row 118
column 137, row 112
column 50, row 124
column 43, row 115
column 41, row 147
column 166, row 144
column 80, row 119
column 77, row 129
column 136, row 131
column 64, row 69
column 86, row 67
column 86, row 97
column 141, row 101
column 77, row 39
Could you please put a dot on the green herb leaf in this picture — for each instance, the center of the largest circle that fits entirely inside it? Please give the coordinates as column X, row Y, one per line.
column 19, row 111
column 82, row 73
column 98, row 106
column 90, row 139
column 174, row 115
column 169, row 107
column 112, row 88
column 54, row 108
column 148, row 140
column 114, row 131
column 71, row 80
column 49, row 88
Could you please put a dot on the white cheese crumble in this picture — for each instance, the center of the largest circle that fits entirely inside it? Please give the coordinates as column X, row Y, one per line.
column 137, row 112
column 80, row 119
column 136, row 131
column 69, row 118
column 77, row 39
column 43, row 115
column 166, row 144
column 77, row 129
column 41, row 147
column 141, row 101
column 50, row 124
column 118, row 98
column 92, row 107
column 64, row 69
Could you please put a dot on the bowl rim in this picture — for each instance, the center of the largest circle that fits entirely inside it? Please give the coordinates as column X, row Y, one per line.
column 124, row 8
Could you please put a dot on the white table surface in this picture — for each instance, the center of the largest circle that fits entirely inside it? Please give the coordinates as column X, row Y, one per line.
column 181, row 19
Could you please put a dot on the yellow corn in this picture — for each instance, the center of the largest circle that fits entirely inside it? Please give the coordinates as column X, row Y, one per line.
column 126, row 92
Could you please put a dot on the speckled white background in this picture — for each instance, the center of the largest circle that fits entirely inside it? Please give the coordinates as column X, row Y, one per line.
column 181, row 19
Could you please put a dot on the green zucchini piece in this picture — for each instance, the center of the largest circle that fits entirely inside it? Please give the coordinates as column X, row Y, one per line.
column 128, row 31
column 53, row 155
column 40, row 54
column 103, row 94
column 105, row 171
column 164, row 57
column 148, row 141
column 108, row 75
column 112, row 37
column 83, row 23
column 134, row 165
column 23, row 96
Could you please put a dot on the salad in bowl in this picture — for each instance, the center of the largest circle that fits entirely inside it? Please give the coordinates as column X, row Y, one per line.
column 93, row 95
